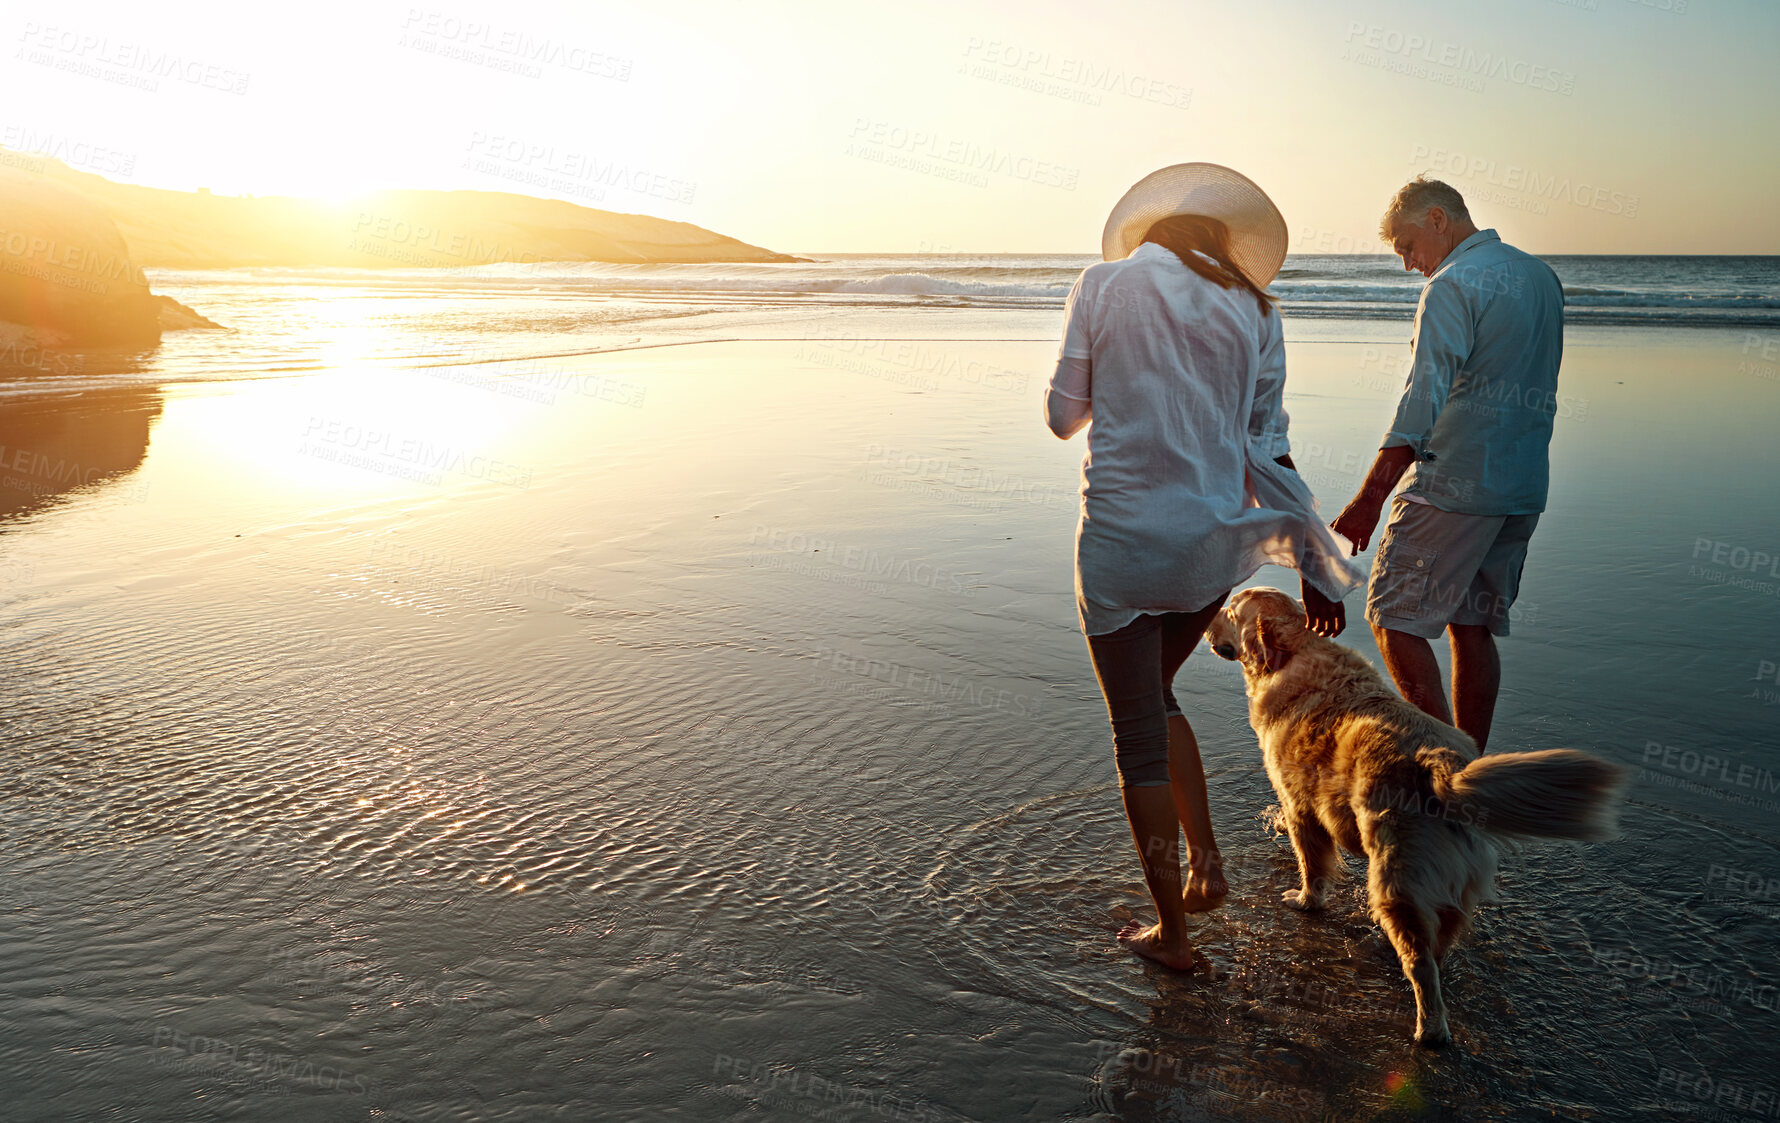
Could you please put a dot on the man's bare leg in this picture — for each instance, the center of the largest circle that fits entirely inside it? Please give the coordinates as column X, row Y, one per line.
column 1205, row 887
column 1155, row 828
column 1476, row 680
column 1410, row 660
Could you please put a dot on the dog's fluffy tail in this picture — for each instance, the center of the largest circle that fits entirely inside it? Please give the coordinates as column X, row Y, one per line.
column 1556, row 793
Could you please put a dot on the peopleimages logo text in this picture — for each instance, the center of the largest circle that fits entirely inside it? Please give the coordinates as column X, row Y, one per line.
column 1513, row 177
column 1737, row 557
column 520, row 45
column 1457, row 56
column 126, row 57
column 962, row 152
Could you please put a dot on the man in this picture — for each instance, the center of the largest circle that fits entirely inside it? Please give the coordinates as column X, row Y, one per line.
column 1472, row 433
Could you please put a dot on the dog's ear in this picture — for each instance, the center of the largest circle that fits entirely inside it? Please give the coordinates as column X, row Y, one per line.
column 1261, row 648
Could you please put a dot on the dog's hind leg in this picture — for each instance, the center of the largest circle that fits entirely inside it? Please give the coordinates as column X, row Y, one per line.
column 1316, row 860
column 1410, row 931
column 1453, row 923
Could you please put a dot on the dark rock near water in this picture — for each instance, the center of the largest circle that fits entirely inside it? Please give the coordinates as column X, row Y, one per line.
column 175, row 316
column 66, row 276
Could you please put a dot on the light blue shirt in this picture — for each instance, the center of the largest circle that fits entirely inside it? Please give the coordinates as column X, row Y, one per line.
column 1482, row 391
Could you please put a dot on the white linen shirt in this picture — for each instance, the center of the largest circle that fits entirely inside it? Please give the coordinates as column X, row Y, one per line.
column 1181, row 499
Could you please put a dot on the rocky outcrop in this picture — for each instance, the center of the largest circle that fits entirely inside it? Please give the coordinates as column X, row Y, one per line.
column 175, row 316
column 67, row 277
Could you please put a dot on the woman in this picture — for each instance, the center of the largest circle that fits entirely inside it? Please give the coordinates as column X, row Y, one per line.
column 1172, row 349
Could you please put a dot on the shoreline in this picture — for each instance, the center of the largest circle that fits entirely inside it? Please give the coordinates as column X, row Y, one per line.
column 55, row 372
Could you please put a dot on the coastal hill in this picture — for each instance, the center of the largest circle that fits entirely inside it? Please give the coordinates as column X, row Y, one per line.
column 386, row 229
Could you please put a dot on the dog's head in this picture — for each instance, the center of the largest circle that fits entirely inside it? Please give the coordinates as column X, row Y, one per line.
column 1260, row 628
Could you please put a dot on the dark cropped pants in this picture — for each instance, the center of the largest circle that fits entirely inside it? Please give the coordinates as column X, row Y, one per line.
column 1136, row 667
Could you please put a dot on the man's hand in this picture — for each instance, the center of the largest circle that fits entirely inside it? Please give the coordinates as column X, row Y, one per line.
column 1357, row 521
column 1325, row 617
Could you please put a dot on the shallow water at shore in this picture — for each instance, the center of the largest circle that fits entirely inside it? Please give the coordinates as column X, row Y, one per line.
column 703, row 732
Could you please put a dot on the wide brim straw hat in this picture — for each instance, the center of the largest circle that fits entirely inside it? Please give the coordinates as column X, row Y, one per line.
column 1257, row 229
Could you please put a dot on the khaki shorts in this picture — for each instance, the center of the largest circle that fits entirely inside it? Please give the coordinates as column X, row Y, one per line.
column 1436, row 568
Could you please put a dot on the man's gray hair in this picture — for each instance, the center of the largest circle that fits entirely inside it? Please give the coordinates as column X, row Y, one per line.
column 1416, row 198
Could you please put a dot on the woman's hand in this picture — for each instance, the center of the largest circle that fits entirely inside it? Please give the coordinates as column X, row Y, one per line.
column 1325, row 617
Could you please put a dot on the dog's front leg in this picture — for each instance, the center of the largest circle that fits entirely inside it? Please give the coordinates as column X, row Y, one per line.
column 1316, row 860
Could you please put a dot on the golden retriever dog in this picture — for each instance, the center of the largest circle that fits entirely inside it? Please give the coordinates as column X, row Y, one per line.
column 1354, row 764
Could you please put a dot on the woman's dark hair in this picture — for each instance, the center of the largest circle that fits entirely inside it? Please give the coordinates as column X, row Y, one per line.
column 1184, row 233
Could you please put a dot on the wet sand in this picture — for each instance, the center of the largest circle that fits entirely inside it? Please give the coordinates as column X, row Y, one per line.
column 688, row 732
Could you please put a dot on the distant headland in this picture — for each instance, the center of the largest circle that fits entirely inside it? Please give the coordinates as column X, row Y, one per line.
column 73, row 245
column 199, row 230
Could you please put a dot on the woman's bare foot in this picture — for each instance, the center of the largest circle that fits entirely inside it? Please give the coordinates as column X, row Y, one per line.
column 1205, row 889
column 1146, row 940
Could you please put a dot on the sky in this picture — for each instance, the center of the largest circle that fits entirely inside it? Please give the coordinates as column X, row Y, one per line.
column 1571, row 126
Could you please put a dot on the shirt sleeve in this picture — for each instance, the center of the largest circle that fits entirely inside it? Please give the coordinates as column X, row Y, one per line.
column 1441, row 344
column 1068, row 398
column 1267, row 420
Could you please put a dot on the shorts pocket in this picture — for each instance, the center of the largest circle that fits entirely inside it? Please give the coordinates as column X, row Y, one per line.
column 1401, row 589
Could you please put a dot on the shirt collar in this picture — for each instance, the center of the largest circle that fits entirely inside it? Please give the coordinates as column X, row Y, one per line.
column 1471, row 243
column 1151, row 249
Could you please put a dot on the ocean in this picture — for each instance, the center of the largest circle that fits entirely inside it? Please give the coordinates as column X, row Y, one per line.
column 617, row 692
column 288, row 320
column 1650, row 290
